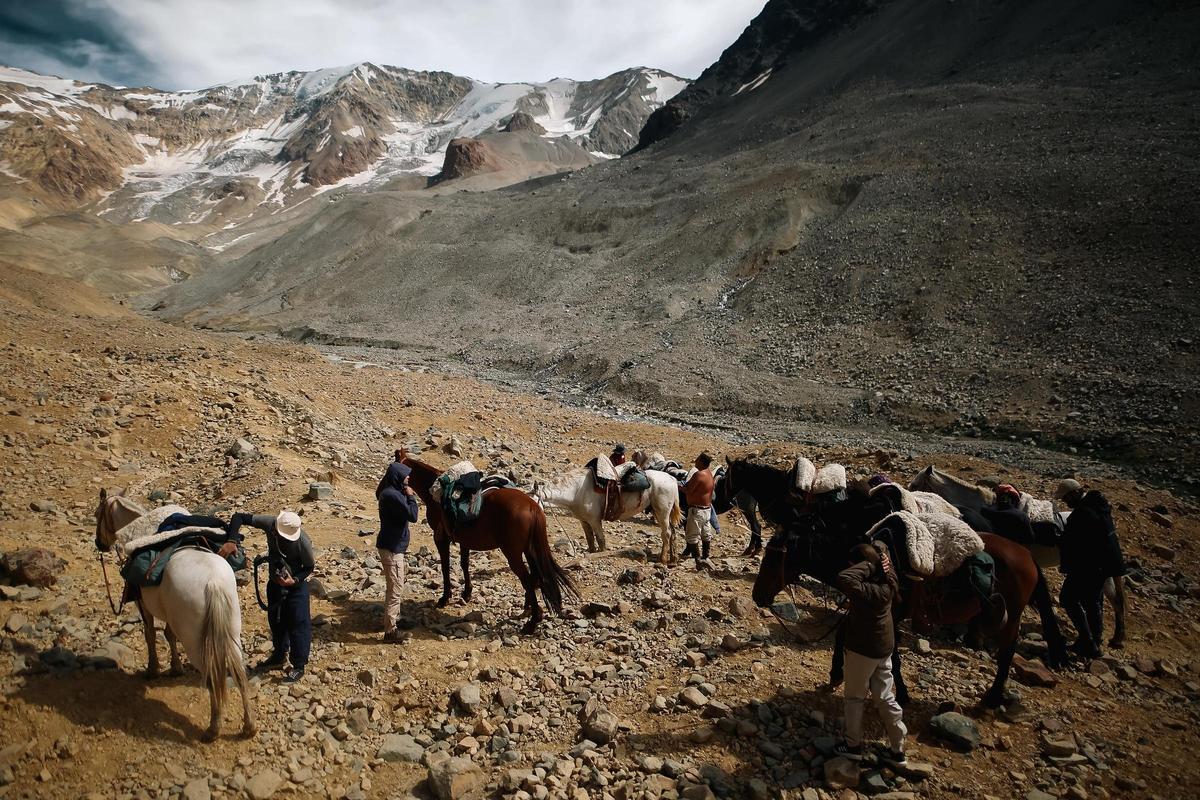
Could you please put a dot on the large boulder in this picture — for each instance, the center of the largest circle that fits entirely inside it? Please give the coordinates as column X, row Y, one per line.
column 456, row 779
column 400, row 747
column 35, row 566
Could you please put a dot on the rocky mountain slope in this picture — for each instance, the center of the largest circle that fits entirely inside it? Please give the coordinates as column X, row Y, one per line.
column 944, row 216
column 223, row 154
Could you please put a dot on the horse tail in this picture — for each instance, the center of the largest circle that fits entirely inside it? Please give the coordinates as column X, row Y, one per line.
column 676, row 512
column 551, row 578
column 222, row 650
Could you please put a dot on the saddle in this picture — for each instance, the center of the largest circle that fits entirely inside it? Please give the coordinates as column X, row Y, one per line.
column 462, row 495
column 147, row 557
column 956, row 598
column 612, row 481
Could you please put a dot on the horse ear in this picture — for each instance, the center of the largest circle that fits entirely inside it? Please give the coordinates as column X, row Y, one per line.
column 727, row 461
column 122, row 490
column 103, row 494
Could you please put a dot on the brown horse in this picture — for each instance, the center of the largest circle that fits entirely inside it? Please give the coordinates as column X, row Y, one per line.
column 510, row 520
column 817, row 542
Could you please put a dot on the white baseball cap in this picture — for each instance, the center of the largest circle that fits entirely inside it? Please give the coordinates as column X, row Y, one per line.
column 287, row 525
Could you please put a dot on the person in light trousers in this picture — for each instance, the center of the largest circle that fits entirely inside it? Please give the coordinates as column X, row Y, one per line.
column 397, row 508
column 870, row 584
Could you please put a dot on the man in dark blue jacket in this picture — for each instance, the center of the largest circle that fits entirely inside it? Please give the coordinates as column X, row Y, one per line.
column 397, row 508
column 1091, row 553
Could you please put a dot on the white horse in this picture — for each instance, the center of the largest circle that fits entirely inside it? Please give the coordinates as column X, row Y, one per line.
column 576, row 494
column 197, row 600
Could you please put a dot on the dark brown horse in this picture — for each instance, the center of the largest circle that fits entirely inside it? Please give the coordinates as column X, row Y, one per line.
column 816, row 541
column 510, row 520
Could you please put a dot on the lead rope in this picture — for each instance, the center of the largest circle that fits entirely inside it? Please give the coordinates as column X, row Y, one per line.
column 116, row 609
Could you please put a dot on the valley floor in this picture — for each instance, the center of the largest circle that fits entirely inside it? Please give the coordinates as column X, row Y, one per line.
column 93, row 396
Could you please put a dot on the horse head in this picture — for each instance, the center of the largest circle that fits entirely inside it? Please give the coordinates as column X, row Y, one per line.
column 782, row 563
column 766, row 484
column 113, row 512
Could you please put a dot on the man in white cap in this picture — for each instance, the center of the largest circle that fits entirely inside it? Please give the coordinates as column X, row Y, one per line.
column 290, row 558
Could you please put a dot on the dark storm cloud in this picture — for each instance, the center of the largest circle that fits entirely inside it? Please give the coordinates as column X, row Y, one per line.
column 72, row 39
column 175, row 44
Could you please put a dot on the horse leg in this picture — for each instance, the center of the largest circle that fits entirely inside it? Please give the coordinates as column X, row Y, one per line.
column 1119, row 604
column 465, row 560
column 1056, row 655
column 529, row 583
column 1008, row 645
column 591, row 537
column 214, row 722
column 176, row 661
column 836, row 671
column 668, row 536
column 600, row 540
column 443, row 546
column 152, row 667
column 897, row 673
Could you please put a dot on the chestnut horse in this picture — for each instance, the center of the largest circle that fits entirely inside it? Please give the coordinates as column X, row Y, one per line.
column 817, row 542
column 510, row 520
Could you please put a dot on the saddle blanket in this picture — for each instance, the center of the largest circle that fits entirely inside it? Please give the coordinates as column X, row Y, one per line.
column 807, row 478
column 1040, row 512
column 147, row 524
column 935, row 544
column 916, row 503
column 455, row 472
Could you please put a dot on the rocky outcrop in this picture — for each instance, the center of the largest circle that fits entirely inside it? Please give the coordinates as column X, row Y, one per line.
column 519, row 154
column 522, row 121
column 780, row 29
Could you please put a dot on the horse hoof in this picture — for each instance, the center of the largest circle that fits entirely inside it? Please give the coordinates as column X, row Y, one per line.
column 991, row 699
column 249, row 732
column 442, row 603
column 208, row 737
column 529, row 628
column 175, row 672
column 1116, row 644
column 150, row 674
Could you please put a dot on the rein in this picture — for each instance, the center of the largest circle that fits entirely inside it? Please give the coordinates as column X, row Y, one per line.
column 116, row 609
column 796, row 634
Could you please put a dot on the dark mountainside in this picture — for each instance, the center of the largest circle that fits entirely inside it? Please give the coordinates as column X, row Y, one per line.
column 970, row 217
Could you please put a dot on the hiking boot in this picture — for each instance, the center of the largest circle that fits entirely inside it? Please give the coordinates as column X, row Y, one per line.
column 852, row 752
column 704, row 551
column 275, row 661
column 293, row 675
column 895, row 758
column 690, row 551
column 405, row 624
column 1085, row 648
column 395, row 637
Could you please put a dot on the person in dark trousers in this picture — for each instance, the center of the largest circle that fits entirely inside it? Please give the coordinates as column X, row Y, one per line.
column 870, row 584
column 1091, row 554
column 290, row 558
column 397, row 508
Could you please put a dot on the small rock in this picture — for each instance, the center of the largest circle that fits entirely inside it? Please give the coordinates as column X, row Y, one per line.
column 400, row 747
column 241, row 448
column 263, row 785
column 33, row 566
column 320, row 490
column 841, row 773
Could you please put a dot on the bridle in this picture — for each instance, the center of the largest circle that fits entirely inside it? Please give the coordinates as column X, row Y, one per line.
column 105, row 516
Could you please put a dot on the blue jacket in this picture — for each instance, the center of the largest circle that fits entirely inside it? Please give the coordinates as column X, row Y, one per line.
column 396, row 510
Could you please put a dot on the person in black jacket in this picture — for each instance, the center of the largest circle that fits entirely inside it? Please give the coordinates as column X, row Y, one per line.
column 1091, row 553
column 397, row 508
column 290, row 558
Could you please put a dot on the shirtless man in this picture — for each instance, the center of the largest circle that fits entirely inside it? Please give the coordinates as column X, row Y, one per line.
column 699, row 493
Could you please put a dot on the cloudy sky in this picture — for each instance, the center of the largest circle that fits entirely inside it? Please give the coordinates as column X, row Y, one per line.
column 177, row 44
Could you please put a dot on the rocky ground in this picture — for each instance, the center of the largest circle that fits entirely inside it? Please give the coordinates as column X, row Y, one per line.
column 663, row 682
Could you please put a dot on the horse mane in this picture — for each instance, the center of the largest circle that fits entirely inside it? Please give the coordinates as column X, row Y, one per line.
column 989, row 497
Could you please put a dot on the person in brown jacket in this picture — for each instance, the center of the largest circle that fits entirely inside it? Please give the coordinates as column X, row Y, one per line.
column 870, row 584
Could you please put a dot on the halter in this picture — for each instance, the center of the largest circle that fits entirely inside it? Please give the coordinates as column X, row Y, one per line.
column 106, row 516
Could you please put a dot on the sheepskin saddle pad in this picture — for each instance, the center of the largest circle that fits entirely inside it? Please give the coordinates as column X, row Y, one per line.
column 930, row 545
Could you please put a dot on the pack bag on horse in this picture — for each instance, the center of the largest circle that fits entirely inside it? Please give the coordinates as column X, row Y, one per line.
column 196, row 597
column 985, row 508
column 587, row 498
column 816, row 542
column 502, row 517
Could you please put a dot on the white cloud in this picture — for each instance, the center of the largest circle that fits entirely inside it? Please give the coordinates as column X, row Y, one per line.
column 192, row 44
